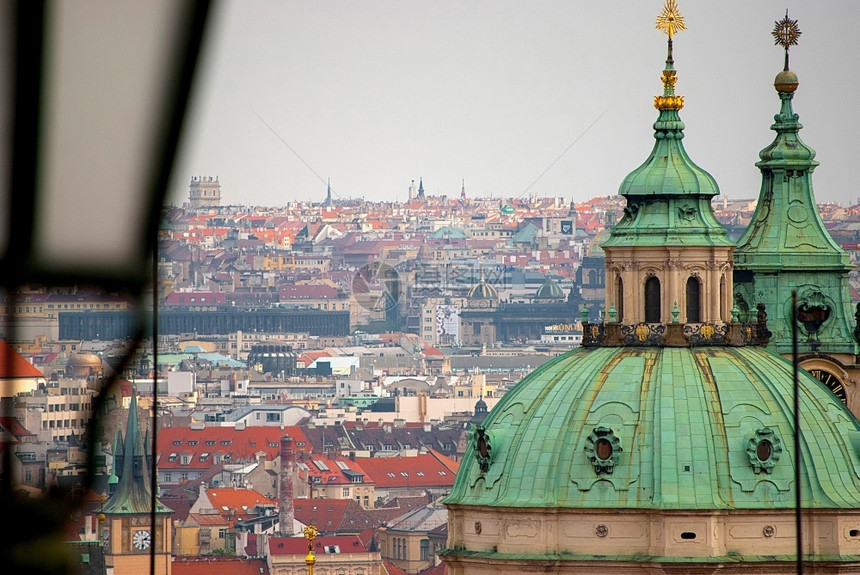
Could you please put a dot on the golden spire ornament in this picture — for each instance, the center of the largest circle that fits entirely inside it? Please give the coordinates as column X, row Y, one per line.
column 785, row 33
column 310, row 533
column 670, row 19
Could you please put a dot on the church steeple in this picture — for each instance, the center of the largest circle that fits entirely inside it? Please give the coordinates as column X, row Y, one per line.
column 786, row 246
column 786, row 231
column 669, row 242
column 128, row 532
column 328, row 195
column 421, row 189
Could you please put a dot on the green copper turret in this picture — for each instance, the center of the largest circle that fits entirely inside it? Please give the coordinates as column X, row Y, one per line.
column 786, row 246
column 668, row 196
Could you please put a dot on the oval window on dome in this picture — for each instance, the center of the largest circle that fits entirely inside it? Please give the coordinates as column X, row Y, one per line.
column 483, row 448
column 764, row 450
column 603, row 449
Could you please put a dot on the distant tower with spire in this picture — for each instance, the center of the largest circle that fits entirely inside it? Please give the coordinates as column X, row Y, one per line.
column 413, row 191
column 328, row 202
column 421, row 196
column 463, row 191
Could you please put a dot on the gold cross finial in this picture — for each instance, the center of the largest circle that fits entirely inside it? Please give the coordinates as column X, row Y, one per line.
column 670, row 19
column 785, row 33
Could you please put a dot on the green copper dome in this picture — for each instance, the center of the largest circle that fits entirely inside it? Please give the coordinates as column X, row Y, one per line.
column 668, row 196
column 549, row 290
column 661, row 428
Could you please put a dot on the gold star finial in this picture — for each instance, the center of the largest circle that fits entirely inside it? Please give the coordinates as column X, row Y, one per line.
column 785, row 34
column 670, row 19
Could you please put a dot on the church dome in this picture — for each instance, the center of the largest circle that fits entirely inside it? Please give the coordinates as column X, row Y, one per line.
column 483, row 290
column 661, row 429
column 84, row 364
column 549, row 290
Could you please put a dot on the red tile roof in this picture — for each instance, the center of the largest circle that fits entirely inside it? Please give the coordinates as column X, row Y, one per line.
column 236, row 502
column 299, row 545
column 334, row 515
column 219, row 566
column 12, row 365
column 422, row 470
column 234, row 445
column 13, row 426
column 393, row 569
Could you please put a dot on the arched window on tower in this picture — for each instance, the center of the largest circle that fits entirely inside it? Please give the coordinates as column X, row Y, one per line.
column 694, row 300
column 619, row 298
column 652, row 300
column 592, row 277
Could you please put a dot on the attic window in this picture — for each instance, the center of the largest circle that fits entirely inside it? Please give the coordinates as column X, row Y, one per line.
column 442, row 473
column 177, row 442
column 226, row 442
column 404, row 474
column 419, row 473
column 391, row 474
column 211, row 442
column 300, row 444
column 204, row 457
column 192, row 442
column 273, row 444
column 172, row 457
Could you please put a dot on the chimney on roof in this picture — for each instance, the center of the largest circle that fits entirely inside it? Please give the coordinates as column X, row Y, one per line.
column 286, row 513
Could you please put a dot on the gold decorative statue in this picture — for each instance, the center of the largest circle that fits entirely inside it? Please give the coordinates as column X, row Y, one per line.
column 310, row 533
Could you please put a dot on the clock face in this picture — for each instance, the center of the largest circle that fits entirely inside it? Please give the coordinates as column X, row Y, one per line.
column 141, row 539
column 831, row 381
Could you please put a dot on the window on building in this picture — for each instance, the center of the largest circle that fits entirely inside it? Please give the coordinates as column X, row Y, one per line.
column 425, row 549
column 694, row 300
column 652, row 300
column 346, row 491
column 619, row 298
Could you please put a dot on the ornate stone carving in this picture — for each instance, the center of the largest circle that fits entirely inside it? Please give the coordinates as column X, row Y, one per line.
column 603, row 450
column 764, row 450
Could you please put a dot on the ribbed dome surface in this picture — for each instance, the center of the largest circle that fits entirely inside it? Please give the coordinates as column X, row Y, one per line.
column 549, row 290
column 687, row 425
column 483, row 290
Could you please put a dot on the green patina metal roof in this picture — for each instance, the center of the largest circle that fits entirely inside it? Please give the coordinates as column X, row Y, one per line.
column 788, row 249
column 549, row 289
column 786, row 231
column 133, row 494
column 668, row 196
column 683, row 419
column 448, row 232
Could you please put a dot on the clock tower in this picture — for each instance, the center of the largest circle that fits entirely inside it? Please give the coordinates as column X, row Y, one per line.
column 131, row 532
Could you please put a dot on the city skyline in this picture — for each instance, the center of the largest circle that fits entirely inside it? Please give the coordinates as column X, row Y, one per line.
column 515, row 101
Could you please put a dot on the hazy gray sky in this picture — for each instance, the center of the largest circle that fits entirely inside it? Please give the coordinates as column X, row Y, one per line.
column 375, row 94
